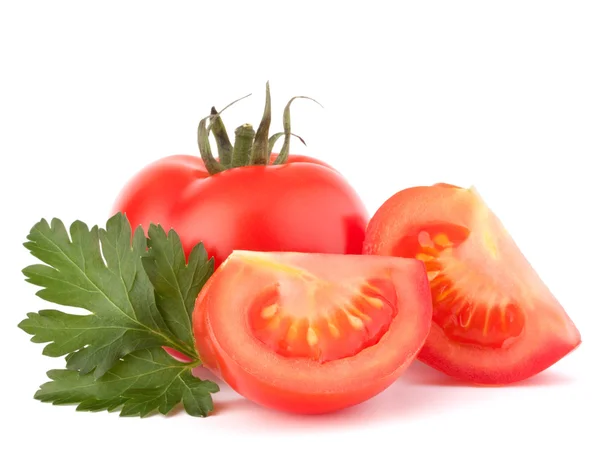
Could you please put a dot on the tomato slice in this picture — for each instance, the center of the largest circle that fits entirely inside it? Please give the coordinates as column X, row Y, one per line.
column 312, row 333
column 494, row 320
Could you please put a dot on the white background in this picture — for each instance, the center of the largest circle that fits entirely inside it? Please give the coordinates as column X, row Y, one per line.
column 501, row 95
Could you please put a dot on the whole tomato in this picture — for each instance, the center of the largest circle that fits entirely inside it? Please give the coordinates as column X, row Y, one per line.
column 301, row 206
column 249, row 198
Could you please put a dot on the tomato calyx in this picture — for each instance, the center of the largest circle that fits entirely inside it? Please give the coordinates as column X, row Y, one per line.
column 250, row 147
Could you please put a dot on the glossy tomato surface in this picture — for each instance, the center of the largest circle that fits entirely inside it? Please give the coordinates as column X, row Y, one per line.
column 494, row 320
column 303, row 206
column 312, row 333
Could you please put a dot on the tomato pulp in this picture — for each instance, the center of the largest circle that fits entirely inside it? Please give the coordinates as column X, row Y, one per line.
column 303, row 206
column 494, row 320
column 312, row 333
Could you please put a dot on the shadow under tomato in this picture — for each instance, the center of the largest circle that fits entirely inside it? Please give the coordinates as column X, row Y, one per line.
column 204, row 373
column 546, row 378
column 419, row 393
column 406, row 399
column 420, row 374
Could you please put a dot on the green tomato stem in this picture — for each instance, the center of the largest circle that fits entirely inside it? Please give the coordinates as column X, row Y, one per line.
column 260, row 149
column 211, row 164
column 250, row 147
column 244, row 136
column 287, row 130
column 277, row 136
column 224, row 147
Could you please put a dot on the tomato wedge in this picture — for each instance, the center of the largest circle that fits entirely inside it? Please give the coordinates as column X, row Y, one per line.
column 494, row 320
column 312, row 333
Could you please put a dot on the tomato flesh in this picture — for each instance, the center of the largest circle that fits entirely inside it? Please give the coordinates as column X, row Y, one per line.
column 349, row 318
column 467, row 305
column 494, row 321
column 312, row 333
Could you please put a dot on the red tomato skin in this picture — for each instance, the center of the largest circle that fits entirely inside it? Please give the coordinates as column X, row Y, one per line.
column 497, row 369
column 549, row 334
column 303, row 206
column 252, row 387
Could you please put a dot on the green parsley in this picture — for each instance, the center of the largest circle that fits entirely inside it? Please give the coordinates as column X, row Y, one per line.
column 140, row 292
column 143, row 382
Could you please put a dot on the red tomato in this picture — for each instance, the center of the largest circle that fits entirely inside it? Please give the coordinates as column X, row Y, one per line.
column 312, row 333
column 303, row 206
column 494, row 320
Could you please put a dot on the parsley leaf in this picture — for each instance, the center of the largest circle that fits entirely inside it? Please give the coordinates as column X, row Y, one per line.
column 176, row 284
column 142, row 383
column 102, row 271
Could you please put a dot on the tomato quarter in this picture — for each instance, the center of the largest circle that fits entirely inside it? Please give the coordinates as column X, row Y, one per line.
column 494, row 320
column 312, row 333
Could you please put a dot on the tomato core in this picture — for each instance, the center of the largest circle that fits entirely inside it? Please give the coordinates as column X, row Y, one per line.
column 305, row 316
column 466, row 304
